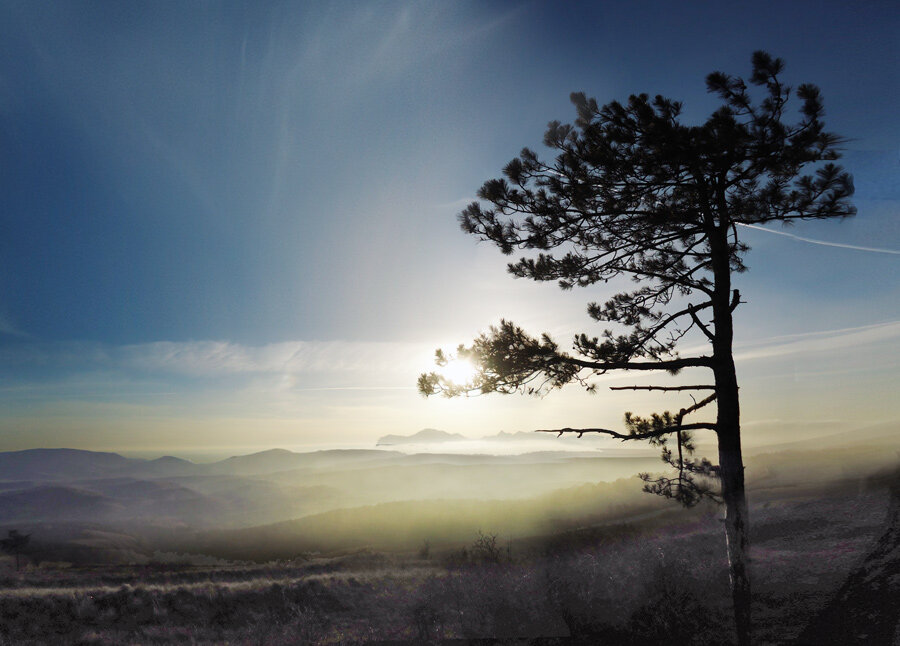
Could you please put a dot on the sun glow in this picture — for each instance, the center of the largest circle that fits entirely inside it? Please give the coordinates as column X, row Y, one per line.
column 459, row 371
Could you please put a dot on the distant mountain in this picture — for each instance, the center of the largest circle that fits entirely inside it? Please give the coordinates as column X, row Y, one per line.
column 164, row 467
column 155, row 501
column 56, row 503
column 250, row 500
column 20, row 469
column 425, row 436
column 112, row 500
column 61, row 464
column 57, row 465
column 262, row 462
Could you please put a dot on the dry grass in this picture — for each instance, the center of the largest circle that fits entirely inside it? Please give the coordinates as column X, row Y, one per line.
column 622, row 586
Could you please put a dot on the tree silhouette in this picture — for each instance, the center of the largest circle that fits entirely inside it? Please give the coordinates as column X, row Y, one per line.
column 635, row 192
column 15, row 544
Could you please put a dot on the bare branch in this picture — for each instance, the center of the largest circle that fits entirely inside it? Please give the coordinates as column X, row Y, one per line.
column 665, row 388
column 700, row 324
column 695, row 407
column 696, row 426
column 691, row 309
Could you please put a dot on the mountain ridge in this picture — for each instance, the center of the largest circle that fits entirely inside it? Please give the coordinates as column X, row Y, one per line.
column 425, row 436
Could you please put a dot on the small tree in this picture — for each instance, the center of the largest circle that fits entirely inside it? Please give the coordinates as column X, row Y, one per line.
column 634, row 192
column 485, row 548
column 15, row 544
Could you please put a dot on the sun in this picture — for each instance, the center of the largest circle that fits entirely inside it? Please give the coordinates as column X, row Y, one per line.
column 459, row 371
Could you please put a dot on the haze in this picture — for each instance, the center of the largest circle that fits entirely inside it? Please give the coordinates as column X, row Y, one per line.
column 230, row 228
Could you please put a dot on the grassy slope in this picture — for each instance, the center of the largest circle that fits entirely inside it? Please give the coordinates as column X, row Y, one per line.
column 656, row 582
column 399, row 526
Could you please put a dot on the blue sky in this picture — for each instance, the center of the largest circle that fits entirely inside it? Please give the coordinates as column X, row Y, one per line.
column 233, row 224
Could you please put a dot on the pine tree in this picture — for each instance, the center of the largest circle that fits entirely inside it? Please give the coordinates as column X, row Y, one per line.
column 635, row 192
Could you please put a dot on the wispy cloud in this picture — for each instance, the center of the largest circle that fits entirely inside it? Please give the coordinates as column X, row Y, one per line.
column 777, row 421
column 348, row 360
column 456, row 205
column 211, row 358
column 824, row 243
column 354, row 365
column 820, row 341
column 343, row 388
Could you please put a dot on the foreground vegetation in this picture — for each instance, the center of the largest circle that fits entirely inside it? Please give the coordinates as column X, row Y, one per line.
column 644, row 581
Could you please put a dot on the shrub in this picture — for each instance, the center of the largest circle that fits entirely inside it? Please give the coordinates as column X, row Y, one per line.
column 485, row 548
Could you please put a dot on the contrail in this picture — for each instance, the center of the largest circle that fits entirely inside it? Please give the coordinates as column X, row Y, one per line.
column 821, row 242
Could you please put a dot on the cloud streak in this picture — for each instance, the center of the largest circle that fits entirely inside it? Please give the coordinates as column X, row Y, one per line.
column 822, row 341
column 218, row 359
column 824, row 243
column 355, row 362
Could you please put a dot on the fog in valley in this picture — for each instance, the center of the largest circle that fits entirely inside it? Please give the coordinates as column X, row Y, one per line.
column 283, row 504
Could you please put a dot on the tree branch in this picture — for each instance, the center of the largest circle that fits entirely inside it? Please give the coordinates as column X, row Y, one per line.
column 672, row 364
column 695, row 407
column 662, row 387
column 653, row 331
column 637, row 436
column 700, row 324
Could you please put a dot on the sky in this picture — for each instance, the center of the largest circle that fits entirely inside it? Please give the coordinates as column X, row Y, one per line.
column 232, row 226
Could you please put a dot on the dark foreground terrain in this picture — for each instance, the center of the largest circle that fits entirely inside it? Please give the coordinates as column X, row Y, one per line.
column 657, row 578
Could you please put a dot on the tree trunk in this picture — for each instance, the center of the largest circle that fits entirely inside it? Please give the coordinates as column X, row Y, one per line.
column 728, row 427
column 731, row 467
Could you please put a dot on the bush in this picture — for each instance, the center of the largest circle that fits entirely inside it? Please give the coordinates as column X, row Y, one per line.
column 641, row 593
column 675, row 610
column 485, row 548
